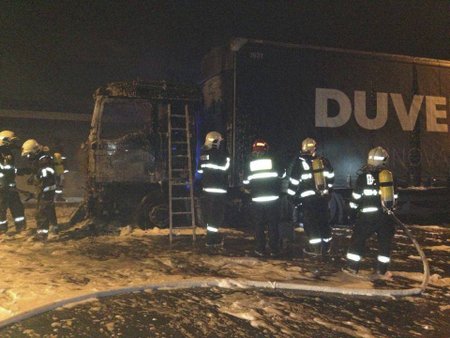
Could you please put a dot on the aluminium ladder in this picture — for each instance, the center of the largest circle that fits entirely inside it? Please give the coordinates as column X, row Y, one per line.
column 180, row 184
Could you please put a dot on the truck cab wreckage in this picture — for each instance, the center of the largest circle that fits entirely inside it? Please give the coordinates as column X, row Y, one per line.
column 139, row 139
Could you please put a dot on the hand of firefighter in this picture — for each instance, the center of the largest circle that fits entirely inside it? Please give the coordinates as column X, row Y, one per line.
column 295, row 200
column 245, row 190
column 388, row 208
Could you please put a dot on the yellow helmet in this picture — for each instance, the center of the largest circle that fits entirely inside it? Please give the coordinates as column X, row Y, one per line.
column 213, row 138
column 309, row 145
column 31, row 147
column 6, row 137
column 377, row 156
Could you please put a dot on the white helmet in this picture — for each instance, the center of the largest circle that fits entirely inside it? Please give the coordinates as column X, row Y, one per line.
column 309, row 145
column 377, row 157
column 31, row 147
column 213, row 138
column 6, row 137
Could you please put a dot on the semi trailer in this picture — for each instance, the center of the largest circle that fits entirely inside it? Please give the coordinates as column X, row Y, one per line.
column 348, row 101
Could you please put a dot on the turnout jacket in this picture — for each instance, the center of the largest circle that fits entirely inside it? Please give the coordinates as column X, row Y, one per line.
column 262, row 178
column 43, row 172
column 214, row 164
column 7, row 169
column 301, row 177
column 366, row 196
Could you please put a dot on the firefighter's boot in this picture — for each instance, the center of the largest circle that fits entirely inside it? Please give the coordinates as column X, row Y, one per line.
column 352, row 268
column 213, row 239
column 382, row 268
column 313, row 250
column 326, row 248
column 20, row 226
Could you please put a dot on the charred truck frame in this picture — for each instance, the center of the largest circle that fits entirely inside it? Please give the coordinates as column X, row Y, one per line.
column 127, row 150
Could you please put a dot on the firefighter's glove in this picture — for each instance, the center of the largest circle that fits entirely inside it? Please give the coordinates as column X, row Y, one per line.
column 244, row 190
column 296, row 201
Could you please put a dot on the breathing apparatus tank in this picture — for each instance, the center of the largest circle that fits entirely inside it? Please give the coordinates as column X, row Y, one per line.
column 318, row 173
column 386, row 189
column 58, row 163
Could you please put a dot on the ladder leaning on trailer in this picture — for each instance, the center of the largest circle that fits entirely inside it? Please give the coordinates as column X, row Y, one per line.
column 180, row 182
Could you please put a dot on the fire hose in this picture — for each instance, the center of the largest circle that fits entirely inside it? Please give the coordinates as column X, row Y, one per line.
column 426, row 267
column 241, row 284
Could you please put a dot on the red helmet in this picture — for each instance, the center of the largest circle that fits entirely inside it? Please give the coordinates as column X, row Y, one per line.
column 260, row 146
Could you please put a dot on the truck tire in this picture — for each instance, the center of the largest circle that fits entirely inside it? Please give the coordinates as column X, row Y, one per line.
column 152, row 211
column 337, row 209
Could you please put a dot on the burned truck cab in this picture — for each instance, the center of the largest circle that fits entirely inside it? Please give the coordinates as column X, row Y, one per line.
column 126, row 151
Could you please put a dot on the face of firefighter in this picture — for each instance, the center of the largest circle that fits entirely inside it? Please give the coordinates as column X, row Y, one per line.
column 216, row 143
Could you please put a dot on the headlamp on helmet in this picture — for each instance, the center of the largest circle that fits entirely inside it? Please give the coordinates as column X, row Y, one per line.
column 260, row 146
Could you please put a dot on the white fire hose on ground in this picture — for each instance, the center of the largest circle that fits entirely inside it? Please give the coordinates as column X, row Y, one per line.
column 240, row 284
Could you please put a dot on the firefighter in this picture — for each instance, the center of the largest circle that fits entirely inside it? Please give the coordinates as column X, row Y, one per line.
column 214, row 164
column 263, row 182
column 373, row 199
column 9, row 196
column 43, row 177
column 310, row 179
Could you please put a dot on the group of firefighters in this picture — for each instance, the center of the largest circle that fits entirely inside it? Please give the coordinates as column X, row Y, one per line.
column 306, row 195
column 309, row 179
column 45, row 171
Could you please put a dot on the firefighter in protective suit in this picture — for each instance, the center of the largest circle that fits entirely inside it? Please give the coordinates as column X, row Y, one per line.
column 373, row 198
column 9, row 196
column 262, row 180
column 214, row 164
column 310, row 179
column 43, row 177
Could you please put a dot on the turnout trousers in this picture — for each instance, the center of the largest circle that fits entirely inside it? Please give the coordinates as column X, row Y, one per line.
column 265, row 215
column 45, row 210
column 11, row 199
column 366, row 225
column 315, row 218
column 213, row 215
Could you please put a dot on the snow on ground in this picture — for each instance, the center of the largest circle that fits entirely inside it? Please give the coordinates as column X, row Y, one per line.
column 36, row 273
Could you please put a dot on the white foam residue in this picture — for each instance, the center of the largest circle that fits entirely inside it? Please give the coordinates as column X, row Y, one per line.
column 355, row 330
column 438, row 248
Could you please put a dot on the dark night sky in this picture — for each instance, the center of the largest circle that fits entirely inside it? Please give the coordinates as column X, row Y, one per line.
column 53, row 54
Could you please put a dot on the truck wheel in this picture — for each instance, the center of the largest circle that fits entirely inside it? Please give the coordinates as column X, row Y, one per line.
column 152, row 211
column 158, row 215
column 337, row 209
